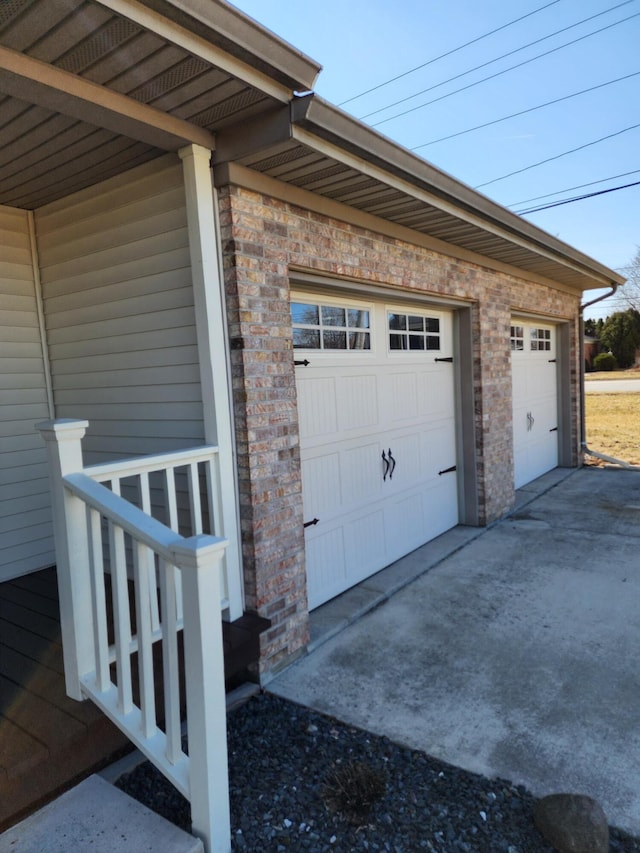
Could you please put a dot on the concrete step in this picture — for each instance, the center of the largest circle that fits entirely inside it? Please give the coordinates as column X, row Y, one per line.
column 95, row 816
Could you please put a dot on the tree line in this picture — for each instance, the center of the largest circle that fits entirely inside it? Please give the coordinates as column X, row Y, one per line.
column 619, row 333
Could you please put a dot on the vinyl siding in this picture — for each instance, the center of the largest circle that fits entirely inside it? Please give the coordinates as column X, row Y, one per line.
column 26, row 537
column 116, row 283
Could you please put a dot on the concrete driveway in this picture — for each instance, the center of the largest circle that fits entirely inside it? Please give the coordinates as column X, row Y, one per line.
column 612, row 386
column 517, row 655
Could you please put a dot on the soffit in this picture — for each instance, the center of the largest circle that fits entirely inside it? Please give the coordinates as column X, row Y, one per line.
column 47, row 152
column 427, row 201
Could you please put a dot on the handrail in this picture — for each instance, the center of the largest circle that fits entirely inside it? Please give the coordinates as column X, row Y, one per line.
column 149, row 464
column 173, row 581
column 132, row 520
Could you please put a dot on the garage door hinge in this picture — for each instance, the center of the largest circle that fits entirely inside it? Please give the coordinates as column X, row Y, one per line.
column 449, row 359
column 447, row 471
column 311, row 523
column 552, row 360
column 302, row 363
column 554, row 429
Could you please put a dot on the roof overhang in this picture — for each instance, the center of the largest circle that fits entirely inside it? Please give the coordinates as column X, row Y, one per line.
column 89, row 88
column 316, row 147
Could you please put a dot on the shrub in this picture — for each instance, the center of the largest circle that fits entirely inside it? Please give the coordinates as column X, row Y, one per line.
column 605, row 361
column 353, row 789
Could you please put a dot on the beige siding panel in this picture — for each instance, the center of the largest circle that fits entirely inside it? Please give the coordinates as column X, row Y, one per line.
column 110, row 329
column 118, row 302
column 169, row 263
column 25, row 514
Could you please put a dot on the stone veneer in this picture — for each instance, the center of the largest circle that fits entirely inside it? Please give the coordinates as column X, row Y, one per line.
column 263, row 238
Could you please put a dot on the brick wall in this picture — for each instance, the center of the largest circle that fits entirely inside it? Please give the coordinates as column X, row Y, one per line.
column 262, row 238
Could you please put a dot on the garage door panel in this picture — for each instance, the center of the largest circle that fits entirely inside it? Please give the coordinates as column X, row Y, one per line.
column 535, row 402
column 406, row 517
column 436, row 392
column 358, row 402
column 402, row 400
column 326, row 570
column 321, row 484
column 406, row 454
column 317, row 407
column 361, row 474
column 393, row 398
column 438, row 451
column 365, row 544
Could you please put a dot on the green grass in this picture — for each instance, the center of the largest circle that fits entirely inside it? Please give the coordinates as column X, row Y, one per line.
column 613, row 425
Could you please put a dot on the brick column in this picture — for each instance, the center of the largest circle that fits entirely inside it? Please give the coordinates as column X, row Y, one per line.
column 265, row 411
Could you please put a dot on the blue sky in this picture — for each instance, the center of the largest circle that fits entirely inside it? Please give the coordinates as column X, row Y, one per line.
column 363, row 43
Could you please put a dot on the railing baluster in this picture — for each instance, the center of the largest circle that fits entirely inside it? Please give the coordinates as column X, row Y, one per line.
column 172, row 504
column 174, row 524
column 142, row 557
column 145, row 501
column 170, row 662
column 213, row 493
column 215, row 512
column 194, row 500
column 121, row 616
column 98, row 600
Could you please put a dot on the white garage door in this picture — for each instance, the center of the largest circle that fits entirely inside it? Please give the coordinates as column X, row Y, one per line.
column 535, row 400
column 377, row 435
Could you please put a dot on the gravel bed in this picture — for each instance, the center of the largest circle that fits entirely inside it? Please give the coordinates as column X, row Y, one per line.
column 282, row 758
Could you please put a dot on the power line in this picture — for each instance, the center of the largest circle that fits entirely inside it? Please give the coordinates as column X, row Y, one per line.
column 577, row 187
column 504, row 70
column 496, row 59
column 448, row 53
column 529, row 110
column 576, row 198
column 557, row 156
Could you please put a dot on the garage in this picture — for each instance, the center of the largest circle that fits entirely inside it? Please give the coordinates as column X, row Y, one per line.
column 535, row 399
column 376, row 408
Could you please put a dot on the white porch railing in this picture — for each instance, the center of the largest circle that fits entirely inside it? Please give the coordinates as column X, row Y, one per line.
column 162, row 584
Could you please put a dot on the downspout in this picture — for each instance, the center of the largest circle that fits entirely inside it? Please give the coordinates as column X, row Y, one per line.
column 583, row 425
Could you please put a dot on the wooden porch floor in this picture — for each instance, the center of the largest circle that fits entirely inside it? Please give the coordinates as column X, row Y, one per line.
column 48, row 741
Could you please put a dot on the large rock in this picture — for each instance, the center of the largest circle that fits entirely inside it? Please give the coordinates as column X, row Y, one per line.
column 572, row 823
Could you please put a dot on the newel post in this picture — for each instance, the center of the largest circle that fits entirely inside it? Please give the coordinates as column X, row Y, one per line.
column 200, row 561
column 64, row 455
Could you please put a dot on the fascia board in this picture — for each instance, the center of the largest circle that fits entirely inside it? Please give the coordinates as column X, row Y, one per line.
column 221, row 24
column 238, row 175
column 347, row 134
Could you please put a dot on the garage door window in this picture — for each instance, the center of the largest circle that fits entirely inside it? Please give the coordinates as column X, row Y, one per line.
column 540, row 339
column 517, row 338
column 330, row 327
column 413, row 332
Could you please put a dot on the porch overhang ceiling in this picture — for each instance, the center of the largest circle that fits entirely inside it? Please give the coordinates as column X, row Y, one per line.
column 90, row 88
column 317, row 147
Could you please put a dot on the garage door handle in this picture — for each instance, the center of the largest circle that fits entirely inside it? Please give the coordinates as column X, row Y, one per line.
column 386, row 464
column 530, row 421
column 393, row 464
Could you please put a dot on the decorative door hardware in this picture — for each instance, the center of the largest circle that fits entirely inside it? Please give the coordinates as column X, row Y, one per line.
column 530, row 421
column 311, row 523
column 448, row 359
column 552, row 360
column 447, row 470
column 302, row 363
column 553, row 429
column 389, row 465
